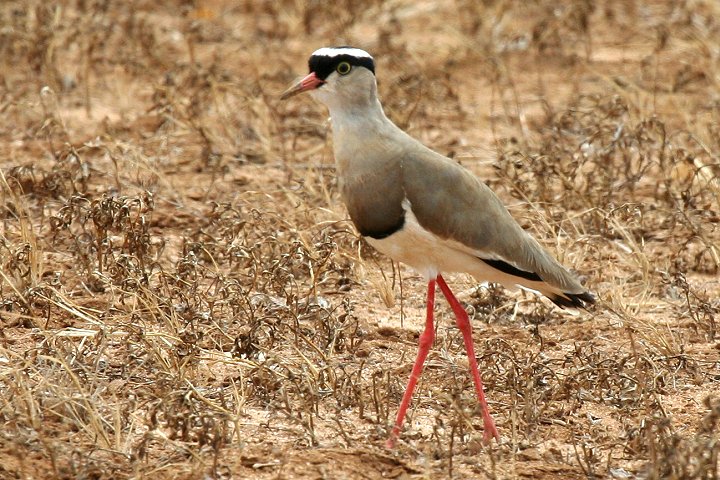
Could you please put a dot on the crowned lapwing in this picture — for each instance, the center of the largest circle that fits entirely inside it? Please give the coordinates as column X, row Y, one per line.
column 423, row 209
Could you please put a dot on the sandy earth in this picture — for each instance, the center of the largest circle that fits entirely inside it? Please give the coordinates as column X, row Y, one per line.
column 183, row 296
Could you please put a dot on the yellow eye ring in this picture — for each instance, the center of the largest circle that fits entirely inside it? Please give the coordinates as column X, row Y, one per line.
column 343, row 68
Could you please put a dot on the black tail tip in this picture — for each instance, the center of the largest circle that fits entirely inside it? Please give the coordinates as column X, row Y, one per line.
column 573, row 300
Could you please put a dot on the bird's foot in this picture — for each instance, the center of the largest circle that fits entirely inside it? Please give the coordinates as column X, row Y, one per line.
column 490, row 431
column 394, row 434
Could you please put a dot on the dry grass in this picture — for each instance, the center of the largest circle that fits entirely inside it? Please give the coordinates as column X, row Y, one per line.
column 182, row 295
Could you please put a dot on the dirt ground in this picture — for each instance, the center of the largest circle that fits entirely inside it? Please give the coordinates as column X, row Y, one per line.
column 183, row 296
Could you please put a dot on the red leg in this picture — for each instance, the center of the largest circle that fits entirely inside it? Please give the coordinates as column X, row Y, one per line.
column 426, row 341
column 463, row 323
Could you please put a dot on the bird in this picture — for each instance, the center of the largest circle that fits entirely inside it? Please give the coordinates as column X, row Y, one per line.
column 425, row 210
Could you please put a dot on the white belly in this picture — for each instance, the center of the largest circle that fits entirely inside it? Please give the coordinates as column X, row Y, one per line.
column 430, row 255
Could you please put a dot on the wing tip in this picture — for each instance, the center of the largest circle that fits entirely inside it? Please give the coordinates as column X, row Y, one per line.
column 573, row 300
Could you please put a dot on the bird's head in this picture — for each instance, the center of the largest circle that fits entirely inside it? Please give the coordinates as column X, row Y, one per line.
column 339, row 76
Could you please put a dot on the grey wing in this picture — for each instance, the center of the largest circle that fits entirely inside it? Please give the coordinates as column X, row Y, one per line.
column 453, row 204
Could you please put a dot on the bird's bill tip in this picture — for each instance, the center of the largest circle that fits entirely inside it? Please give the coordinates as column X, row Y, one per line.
column 310, row 82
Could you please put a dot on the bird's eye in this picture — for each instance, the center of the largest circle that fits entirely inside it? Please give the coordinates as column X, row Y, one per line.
column 343, row 68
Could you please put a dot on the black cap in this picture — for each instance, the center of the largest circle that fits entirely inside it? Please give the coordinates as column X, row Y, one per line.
column 324, row 61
